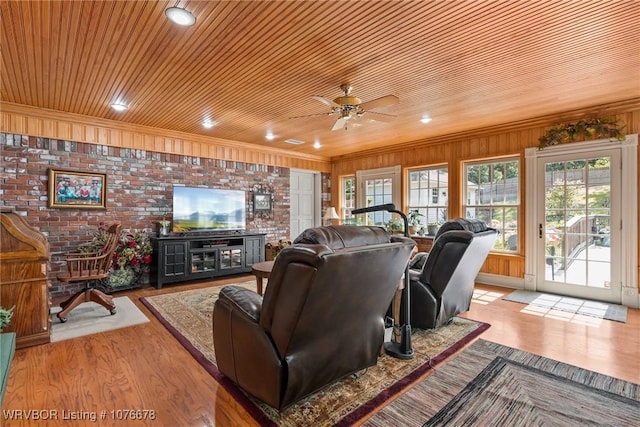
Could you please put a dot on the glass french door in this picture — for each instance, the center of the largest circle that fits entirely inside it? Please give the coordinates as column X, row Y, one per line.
column 578, row 228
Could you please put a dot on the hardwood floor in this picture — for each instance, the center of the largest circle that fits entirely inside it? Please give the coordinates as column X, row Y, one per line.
column 144, row 368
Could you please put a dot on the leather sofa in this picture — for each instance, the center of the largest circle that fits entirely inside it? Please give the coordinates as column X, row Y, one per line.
column 321, row 317
column 443, row 287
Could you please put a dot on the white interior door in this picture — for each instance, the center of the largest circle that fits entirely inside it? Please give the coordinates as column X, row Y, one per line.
column 304, row 204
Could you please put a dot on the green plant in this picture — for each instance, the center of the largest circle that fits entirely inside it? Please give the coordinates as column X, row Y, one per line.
column 393, row 225
column 432, row 228
column 413, row 217
column 5, row 316
column 583, row 129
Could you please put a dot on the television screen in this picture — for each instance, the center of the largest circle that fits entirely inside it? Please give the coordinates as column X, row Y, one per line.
column 200, row 209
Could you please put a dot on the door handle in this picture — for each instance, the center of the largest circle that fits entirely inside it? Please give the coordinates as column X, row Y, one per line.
column 540, row 231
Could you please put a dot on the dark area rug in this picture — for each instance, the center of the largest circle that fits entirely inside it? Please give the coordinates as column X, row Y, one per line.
column 488, row 384
column 188, row 316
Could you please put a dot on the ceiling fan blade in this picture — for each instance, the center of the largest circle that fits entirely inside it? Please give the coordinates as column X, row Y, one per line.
column 380, row 117
column 339, row 124
column 384, row 101
column 312, row 115
column 325, row 101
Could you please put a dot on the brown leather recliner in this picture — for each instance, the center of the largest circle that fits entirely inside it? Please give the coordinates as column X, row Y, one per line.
column 444, row 286
column 321, row 317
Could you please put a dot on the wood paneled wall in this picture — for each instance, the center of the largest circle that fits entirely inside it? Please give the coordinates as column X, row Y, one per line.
column 25, row 120
column 453, row 150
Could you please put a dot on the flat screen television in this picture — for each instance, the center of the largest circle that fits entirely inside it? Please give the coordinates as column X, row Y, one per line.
column 208, row 209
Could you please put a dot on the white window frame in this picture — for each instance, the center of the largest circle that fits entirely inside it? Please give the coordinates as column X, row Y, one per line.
column 345, row 209
column 394, row 173
column 430, row 205
column 503, row 241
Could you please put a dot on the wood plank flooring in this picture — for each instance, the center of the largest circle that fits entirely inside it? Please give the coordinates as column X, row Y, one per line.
column 144, row 368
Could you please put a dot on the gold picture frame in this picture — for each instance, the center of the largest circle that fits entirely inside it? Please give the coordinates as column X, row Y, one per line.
column 77, row 190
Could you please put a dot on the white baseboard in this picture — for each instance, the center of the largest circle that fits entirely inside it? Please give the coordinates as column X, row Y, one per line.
column 498, row 280
column 630, row 295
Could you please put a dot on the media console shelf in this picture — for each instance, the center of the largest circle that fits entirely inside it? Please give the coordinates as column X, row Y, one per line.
column 204, row 256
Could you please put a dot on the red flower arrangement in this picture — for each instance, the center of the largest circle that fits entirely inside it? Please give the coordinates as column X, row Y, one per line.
column 131, row 258
column 133, row 250
column 274, row 249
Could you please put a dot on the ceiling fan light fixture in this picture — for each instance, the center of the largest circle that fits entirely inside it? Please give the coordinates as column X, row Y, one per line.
column 425, row 119
column 350, row 108
column 207, row 124
column 270, row 136
column 180, row 16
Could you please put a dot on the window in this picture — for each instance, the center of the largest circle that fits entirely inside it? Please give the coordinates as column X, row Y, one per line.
column 429, row 193
column 492, row 191
column 348, row 194
column 378, row 187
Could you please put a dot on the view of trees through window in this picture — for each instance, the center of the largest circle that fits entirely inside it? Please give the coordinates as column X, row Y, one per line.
column 492, row 191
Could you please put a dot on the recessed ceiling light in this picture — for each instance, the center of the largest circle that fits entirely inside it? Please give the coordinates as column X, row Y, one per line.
column 180, row 16
column 316, row 145
column 118, row 106
column 207, row 124
column 425, row 119
column 270, row 136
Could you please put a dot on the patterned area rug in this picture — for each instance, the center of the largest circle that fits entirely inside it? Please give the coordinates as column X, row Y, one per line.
column 601, row 310
column 187, row 315
column 489, row 384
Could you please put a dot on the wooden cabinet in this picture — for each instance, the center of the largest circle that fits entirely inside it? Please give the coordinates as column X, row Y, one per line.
column 424, row 242
column 183, row 258
column 254, row 250
column 24, row 258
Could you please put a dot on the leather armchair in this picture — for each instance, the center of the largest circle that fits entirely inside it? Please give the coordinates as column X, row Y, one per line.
column 321, row 317
column 444, row 286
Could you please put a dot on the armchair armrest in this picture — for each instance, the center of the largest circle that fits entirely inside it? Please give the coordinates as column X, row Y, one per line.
column 243, row 300
column 244, row 351
column 85, row 266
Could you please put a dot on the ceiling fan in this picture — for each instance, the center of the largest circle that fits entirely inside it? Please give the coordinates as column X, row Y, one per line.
column 350, row 107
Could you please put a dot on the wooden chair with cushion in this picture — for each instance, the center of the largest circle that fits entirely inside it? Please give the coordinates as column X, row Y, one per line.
column 90, row 267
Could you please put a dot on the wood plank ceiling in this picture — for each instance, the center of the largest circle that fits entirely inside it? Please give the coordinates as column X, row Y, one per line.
column 252, row 66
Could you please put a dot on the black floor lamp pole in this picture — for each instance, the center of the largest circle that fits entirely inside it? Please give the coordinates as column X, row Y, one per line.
column 402, row 349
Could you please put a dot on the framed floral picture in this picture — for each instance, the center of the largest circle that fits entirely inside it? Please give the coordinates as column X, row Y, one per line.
column 77, row 190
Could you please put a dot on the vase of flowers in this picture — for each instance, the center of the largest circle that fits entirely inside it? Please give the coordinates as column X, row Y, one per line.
column 163, row 227
column 273, row 249
column 131, row 258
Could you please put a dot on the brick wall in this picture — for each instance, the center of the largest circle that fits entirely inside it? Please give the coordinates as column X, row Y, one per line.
column 139, row 190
